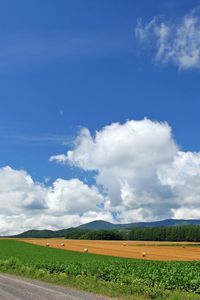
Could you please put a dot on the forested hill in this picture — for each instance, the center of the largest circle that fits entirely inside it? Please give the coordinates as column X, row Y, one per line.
column 190, row 233
column 42, row 233
column 103, row 225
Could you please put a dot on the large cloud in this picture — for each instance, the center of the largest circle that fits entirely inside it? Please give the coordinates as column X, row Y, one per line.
column 176, row 42
column 141, row 168
column 140, row 173
column 73, row 197
column 26, row 204
column 19, row 192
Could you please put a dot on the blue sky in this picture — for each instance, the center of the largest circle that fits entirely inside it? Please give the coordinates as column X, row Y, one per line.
column 82, row 58
column 70, row 64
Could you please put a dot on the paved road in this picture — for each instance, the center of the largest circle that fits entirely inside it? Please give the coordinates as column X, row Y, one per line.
column 17, row 288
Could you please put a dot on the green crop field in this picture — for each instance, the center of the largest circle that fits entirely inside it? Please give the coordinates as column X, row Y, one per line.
column 104, row 274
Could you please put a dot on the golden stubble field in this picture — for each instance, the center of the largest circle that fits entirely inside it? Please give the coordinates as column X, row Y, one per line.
column 128, row 249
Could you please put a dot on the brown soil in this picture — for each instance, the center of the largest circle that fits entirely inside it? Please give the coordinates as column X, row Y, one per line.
column 130, row 249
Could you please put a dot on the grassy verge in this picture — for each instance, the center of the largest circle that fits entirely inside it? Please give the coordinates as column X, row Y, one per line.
column 116, row 277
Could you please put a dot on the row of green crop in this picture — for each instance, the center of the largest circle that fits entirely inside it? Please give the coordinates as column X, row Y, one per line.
column 172, row 276
column 183, row 276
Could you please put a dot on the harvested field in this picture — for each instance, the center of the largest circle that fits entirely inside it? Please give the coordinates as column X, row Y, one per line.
column 129, row 249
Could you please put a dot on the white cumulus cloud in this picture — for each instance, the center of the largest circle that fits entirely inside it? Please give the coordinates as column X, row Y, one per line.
column 25, row 204
column 141, row 168
column 73, row 197
column 176, row 42
column 19, row 192
column 141, row 174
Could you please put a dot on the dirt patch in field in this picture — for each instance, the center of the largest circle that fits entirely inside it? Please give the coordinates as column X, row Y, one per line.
column 129, row 249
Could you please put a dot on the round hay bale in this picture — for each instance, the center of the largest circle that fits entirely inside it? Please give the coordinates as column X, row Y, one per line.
column 62, row 244
column 47, row 244
column 85, row 250
column 144, row 254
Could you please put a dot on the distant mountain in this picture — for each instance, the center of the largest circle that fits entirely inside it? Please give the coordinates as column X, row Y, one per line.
column 97, row 225
column 103, row 225
column 43, row 233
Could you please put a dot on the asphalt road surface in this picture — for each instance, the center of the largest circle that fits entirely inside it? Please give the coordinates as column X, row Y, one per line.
column 17, row 288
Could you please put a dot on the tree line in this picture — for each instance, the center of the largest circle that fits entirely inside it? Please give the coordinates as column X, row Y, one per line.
column 190, row 233
column 82, row 234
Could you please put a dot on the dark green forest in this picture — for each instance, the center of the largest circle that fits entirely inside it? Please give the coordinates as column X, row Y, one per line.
column 189, row 233
column 85, row 234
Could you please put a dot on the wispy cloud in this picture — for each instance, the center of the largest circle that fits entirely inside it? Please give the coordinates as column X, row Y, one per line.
column 18, row 51
column 173, row 42
column 16, row 138
column 44, row 139
column 20, row 132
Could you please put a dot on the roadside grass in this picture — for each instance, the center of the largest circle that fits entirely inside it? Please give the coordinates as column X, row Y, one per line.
column 115, row 277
